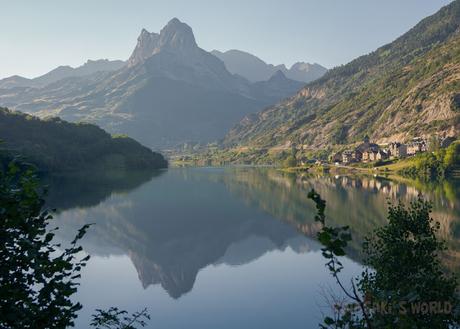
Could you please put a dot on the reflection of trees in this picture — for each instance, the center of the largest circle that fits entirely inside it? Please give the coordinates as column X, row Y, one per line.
column 89, row 188
column 356, row 201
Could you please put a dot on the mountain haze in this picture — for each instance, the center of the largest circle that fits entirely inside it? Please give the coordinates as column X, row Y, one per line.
column 408, row 88
column 254, row 69
column 170, row 92
column 62, row 72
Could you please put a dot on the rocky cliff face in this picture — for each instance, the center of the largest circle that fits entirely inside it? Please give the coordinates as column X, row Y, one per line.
column 146, row 44
column 175, row 36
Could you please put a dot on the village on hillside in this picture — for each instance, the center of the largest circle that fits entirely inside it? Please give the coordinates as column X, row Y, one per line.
column 371, row 152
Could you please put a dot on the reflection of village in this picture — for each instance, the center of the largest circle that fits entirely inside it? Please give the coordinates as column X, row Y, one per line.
column 445, row 210
column 393, row 190
column 370, row 152
column 360, row 201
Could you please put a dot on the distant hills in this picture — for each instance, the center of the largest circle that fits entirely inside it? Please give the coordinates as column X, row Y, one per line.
column 62, row 72
column 408, row 88
column 254, row 69
column 169, row 92
column 56, row 146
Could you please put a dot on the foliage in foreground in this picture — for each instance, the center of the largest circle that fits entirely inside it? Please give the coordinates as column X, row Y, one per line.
column 404, row 285
column 37, row 276
column 114, row 318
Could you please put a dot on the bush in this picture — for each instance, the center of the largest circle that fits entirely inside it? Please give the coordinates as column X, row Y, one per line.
column 403, row 275
column 37, row 279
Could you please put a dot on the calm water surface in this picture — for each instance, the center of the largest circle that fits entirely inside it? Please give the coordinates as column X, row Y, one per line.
column 223, row 248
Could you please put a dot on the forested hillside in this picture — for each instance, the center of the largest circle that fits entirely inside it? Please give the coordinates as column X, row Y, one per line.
column 56, row 145
column 408, row 88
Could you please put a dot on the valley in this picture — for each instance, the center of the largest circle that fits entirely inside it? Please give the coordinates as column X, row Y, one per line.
column 188, row 183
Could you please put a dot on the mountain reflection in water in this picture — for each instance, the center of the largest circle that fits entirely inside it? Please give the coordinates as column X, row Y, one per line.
column 175, row 223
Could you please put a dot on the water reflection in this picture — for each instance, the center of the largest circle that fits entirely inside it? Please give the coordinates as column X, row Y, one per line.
column 224, row 248
column 360, row 202
column 89, row 188
column 177, row 224
column 186, row 219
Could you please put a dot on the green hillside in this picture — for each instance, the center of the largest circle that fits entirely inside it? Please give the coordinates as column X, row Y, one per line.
column 408, row 88
column 55, row 145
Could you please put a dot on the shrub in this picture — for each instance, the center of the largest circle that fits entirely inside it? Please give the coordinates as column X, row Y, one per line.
column 37, row 277
column 403, row 272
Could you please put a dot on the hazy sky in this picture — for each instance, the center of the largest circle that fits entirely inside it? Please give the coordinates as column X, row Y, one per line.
column 37, row 36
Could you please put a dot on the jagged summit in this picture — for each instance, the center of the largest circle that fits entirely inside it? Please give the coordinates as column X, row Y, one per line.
column 145, row 47
column 176, row 36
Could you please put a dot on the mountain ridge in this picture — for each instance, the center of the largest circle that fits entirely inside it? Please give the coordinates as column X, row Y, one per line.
column 62, row 72
column 254, row 69
column 407, row 88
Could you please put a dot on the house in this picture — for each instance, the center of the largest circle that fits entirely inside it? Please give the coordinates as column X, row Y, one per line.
column 347, row 157
column 369, row 155
column 357, row 155
column 397, row 150
column 417, row 145
column 413, row 148
column 366, row 145
column 368, row 150
column 373, row 155
column 351, row 156
column 381, row 155
column 366, row 156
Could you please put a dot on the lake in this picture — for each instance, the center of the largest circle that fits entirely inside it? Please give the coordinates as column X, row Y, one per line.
column 224, row 248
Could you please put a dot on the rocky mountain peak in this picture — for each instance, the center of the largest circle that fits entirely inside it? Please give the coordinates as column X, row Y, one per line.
column 175, row 36
column 146, row 44
column 301, row 66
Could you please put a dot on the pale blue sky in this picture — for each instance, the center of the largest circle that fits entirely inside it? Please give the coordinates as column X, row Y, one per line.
column 37, row 36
